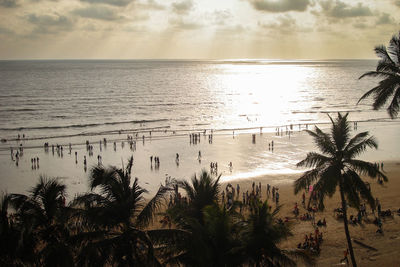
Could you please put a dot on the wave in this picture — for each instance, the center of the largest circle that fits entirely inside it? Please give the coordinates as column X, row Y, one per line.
column 17, row 110
column 80, row 125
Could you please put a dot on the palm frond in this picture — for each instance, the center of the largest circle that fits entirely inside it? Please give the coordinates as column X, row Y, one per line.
column 394, row 49
column 326, row 185
column 100, row 175
column 381, row 51
column 323, row 141
column 306, row 180
column 313, row 160
column 365, row 168
column 357, row 148
column 147, row 213
column 355, row 140
column 340, row 130
column 360, row 187
column 384, row 91
column 393, row 108
column 384, row 74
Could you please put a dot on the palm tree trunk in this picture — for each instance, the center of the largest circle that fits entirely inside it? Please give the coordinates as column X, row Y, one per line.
column 346, row 226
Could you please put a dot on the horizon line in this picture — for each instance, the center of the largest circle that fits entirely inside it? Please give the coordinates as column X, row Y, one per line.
column 187, row 59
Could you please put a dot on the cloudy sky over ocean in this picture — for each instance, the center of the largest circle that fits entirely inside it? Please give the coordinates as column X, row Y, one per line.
column 188, row 29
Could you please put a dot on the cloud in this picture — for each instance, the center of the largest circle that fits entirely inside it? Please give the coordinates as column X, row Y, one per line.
column 54, row 21
column 284, row 25
column 180, row 24
column 396, row 3
column 182, row 7
column 9, row 3
column 221, row 16
column 340, row 9
column 385, row 18
column 280, row 6
column 97, row 12
column 360, row 25
column 5, row 31
column 151, row 5
column 120, row 3
column 48, row 24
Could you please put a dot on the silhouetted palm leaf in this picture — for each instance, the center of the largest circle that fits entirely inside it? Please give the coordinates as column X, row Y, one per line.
column 388, row 69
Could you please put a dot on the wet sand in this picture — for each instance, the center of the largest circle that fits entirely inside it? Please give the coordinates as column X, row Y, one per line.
column 248, row 159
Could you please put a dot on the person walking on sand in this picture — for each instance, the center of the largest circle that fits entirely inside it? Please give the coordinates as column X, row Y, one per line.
column 345, row 258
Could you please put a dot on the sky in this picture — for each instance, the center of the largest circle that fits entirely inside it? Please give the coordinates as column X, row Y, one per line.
column 189, row 29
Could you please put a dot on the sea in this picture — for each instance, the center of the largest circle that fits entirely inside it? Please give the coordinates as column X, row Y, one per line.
column 71, row 101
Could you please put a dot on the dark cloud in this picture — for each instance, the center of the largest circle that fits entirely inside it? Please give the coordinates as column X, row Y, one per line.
column 280, row 6
column 9, row 3
column 182, row 7
column 396, row 3
column 53, row 20
column 340, row 9
column 97, row 12
column 119, row 3
column 385, row 18
column 48, row 24
column 180, row 24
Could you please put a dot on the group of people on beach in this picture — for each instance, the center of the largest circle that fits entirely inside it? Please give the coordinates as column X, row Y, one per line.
column 312, row 242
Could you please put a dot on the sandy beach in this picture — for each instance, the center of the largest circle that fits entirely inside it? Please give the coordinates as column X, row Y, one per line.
column 387, row 245
column 251, row 162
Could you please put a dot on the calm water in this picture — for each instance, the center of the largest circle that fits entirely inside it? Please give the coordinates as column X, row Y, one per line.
column 50, row 98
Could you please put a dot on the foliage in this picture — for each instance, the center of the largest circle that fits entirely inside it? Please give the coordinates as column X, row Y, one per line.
column 388, row 69
column 337, row 166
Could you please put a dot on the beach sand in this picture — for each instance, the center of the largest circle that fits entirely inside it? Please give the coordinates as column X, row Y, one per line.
column 387, row 245
column 251, row 162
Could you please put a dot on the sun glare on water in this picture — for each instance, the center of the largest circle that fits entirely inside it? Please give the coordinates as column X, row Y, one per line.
column 263, row 93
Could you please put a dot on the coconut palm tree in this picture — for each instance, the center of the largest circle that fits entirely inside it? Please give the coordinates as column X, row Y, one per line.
column 117, row 218
column 201, row 191
column 213, row 229
column 42, row 221
column 261, row 232
column 388, row 69
column 337, row 166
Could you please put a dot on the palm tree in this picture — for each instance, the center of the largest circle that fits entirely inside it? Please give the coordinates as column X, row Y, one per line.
column 117, row 218
column 388, row 69
column 213, row 229
column 42, row 220
column 201, row 191
column 261, row 232
column 337, row 166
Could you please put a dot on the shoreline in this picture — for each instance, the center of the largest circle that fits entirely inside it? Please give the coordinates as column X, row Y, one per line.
column 251, row 160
